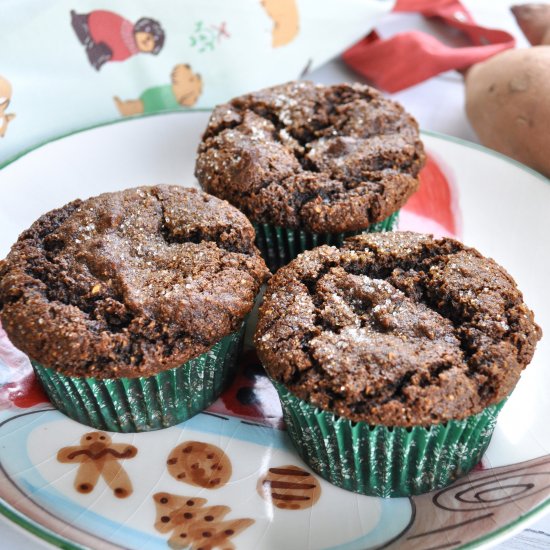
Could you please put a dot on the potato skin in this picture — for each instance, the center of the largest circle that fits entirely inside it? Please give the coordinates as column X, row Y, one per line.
column 508, row 104
column 534, row 21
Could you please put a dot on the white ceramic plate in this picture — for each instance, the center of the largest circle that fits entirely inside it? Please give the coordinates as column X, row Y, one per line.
column 491, row 202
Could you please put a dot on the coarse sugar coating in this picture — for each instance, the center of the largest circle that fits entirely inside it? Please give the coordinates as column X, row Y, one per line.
column 130, row 283
column 396, row 329
column 328, row 159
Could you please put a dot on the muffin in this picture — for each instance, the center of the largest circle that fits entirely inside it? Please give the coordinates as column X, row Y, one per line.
column 131, row 304
column 392, row 357
column 311, row 164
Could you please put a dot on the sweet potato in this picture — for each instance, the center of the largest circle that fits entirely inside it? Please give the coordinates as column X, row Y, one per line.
column 534, row 21
column 508, row 104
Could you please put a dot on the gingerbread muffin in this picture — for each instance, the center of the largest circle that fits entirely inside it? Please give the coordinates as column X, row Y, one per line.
column 394, row 353
column 311, row 164
column 130, row 304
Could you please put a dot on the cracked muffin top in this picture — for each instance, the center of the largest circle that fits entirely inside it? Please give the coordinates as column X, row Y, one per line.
column 397, row 329
column 327, row 159
column 131, row 283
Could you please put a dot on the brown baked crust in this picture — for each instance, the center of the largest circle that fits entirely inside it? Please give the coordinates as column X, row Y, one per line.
column 398, row 329
column 130, row 283
column 327, row 159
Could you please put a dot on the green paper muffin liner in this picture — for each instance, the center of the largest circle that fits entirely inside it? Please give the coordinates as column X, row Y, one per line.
column 146, row 403
column 381, row 461
column 279, row 245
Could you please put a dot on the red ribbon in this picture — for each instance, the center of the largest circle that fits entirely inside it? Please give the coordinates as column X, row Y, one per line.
column 411, row 57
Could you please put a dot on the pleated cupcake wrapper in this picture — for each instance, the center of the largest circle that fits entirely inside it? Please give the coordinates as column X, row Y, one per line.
column 382, row 461
column 279, row 245
column 146, row 403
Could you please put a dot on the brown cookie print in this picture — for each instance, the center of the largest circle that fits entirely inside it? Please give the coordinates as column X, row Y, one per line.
column 200, row 464
column 99, row 456
column 194, row 525
column 289, row 487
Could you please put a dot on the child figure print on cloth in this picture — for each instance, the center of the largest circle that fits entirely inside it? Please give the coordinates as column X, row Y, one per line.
column 108, row 36
column 5, row 98
column 157, row 57
column 184, row 91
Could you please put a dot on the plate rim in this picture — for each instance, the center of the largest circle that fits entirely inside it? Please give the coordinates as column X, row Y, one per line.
column 36, row 530
column 432, row 133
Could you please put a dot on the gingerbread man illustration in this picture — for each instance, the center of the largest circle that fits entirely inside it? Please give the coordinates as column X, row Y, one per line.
column 98, row 455
column 5, row 97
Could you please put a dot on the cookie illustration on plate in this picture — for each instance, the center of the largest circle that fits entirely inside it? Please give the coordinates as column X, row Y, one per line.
column 194, row 525
column 99, row 456
column 200, row 464
column 289, row 487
